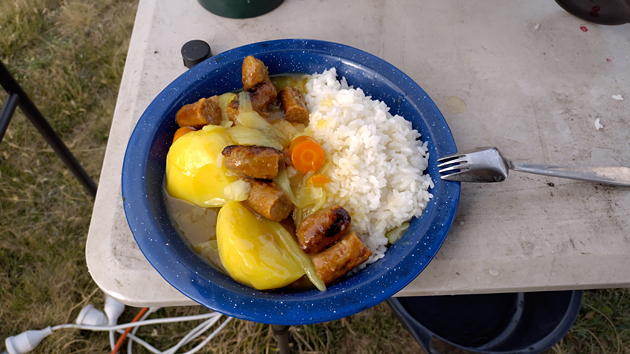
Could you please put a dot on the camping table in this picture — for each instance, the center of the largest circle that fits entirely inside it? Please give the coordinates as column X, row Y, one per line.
column 522, row 75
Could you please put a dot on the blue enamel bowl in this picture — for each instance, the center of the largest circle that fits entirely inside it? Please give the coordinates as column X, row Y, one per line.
column 144, row 167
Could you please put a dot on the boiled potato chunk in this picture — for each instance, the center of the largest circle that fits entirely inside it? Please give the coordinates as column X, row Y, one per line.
column 192, row 170
column 254, row 250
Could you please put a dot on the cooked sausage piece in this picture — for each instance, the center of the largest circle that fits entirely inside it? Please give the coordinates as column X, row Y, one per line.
column 253, row 71
column 203, row 112
column 231, row 111
column 215, row 99
column 261, row 95
column 252, row 161
column 268, row 200
column 340, row 258
column 322, row 228
column 293, row 105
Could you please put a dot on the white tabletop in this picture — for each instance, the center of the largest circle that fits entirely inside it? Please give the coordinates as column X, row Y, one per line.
column 521, row 75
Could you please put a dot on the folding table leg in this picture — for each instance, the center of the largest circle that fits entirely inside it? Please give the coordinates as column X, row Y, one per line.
column 282, row 336
column 8, row 108
column 35, row 116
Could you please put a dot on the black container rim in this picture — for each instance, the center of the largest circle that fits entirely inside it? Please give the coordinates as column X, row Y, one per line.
column 424, row 336
column 239, row 8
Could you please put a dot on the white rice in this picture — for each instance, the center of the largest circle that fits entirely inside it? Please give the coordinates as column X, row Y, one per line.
column 378, row 159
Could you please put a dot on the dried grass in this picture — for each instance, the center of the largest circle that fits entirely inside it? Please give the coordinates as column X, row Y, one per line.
column 71, row 69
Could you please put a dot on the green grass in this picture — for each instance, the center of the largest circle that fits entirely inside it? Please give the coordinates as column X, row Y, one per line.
column 69, row 57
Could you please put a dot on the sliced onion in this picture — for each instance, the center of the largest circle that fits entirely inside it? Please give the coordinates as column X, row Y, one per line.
column 288, row 129
column 224, row 101
column 253, row 120
column 312, row 199
column 311, row 196
column 396, row 233
column 302, row 259
column 282, row 181
column 249, row 136
column 220, row 160
column 210, row 245
column 211, row 127
column 237, row 191
column 244, row 102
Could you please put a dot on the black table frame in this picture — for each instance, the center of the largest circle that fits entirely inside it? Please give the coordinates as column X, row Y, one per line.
column 18, row 98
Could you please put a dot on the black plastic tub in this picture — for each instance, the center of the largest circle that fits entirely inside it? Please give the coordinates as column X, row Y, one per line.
column 240, row 8
column 519, row 323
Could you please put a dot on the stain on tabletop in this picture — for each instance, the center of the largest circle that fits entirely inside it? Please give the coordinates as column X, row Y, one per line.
column 453, row 104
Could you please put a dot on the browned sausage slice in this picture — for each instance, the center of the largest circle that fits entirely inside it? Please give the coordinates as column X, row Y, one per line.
column 322, row 228
column 293, row 105
column 252, row 161
column 253, row 71
column 261, row 95
column 268, row 200
column 340, row 258
column 231, row 111
column 203, row 112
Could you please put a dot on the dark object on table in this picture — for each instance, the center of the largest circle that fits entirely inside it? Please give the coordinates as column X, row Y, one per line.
column 603, row 12
column 515, row 323
column 239, row 8
column 194, row 52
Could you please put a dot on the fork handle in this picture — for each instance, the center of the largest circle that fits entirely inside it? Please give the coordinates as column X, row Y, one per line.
column 619, row 176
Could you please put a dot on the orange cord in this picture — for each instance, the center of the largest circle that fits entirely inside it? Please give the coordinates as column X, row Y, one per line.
column 124, row 335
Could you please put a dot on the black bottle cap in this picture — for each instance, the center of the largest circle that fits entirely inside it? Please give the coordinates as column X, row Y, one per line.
column 194, row 52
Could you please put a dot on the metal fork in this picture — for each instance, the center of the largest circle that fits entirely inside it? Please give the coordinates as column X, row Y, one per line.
column 486, row 164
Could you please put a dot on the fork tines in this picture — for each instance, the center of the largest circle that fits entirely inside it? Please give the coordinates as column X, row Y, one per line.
column 452, row 165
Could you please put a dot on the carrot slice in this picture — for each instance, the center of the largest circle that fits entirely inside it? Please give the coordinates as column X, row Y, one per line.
column 181, row 131
column 298, row 140
column 306, row 154
column 317, row 181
